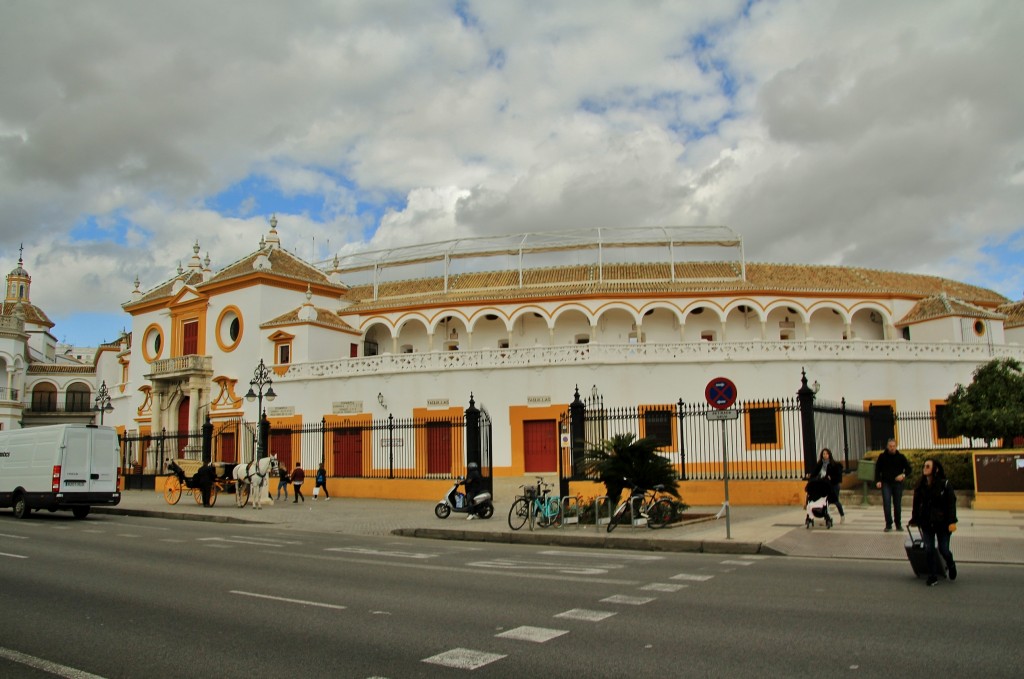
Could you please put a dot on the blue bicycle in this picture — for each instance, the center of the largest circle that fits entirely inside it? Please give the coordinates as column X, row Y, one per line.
column 535, row 506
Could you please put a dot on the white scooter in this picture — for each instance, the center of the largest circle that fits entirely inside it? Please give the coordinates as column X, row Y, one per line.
column 456, row 501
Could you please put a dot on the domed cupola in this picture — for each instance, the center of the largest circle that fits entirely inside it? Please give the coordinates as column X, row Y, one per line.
column 18, row 281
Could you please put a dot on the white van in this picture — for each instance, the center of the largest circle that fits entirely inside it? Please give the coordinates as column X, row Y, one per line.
column 62, row 466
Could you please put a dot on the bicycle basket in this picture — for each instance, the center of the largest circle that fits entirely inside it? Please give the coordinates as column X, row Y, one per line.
column 529, row 492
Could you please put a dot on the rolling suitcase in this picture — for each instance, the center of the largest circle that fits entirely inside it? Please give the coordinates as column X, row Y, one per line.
column 918, row 556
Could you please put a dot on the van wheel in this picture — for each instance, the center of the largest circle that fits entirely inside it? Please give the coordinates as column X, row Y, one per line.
column 80, row 512
column 21, row 508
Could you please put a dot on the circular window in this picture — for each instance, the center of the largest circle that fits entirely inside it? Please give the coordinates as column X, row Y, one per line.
column 229, row 328
column 152, row 343
column 979, row 328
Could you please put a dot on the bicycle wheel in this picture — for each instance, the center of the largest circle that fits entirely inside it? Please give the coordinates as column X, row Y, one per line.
column 553, row 511
column 617, row 516
column 660, row 514
column 518, row 513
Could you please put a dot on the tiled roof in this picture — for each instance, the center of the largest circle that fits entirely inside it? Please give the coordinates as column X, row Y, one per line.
column 31, row 313
column 282, row 263
column 63, row 369
column 324, row 318
column 941, row 306
column 190, row 277
column 652, row 278
column 1014, row 314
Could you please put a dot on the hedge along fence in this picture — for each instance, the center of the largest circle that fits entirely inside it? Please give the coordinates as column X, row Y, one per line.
column 958, row 465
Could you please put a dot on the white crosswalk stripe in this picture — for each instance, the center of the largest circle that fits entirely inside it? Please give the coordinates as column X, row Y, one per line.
column 463, row 658
column 535, row 634
column 584, row 614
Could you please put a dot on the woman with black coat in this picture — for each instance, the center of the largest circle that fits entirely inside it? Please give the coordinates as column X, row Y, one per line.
column 935, row 514
column 832, row 471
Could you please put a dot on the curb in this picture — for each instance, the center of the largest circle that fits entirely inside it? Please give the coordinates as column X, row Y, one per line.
column 154, row 514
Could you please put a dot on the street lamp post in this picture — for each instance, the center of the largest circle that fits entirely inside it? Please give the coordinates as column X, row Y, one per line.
column 261, row 379
column 102, row 402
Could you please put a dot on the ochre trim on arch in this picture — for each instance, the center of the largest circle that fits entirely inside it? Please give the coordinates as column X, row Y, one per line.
column 228, row 347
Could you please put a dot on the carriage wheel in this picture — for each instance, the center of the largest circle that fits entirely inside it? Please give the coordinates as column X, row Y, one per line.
column 197, row 493
column 214, row 491
column 241, row 494
column 172, row 490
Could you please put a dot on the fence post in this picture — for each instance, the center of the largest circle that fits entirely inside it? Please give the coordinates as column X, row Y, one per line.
column 207, row 440
column 323, row 444
column 805, row 395
column 577, row 442
column 391, row 446
column 472, row 432
column 682, row 446
column 846, row 437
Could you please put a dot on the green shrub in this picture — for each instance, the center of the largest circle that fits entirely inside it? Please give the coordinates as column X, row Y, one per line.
column 958, row 465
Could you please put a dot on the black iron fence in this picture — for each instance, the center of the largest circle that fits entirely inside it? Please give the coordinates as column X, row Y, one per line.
column 389, row 448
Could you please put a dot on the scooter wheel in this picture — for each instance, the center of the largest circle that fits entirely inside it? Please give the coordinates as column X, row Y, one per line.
column 442, row 510
column 486, row 512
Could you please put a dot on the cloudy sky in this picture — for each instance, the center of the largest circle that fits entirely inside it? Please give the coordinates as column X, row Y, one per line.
column 869, row 133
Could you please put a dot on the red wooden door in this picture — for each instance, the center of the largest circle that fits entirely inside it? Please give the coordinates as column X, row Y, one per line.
column 439, row 448
column 228, row 449
column 348, row 452
column 281, row 445
column 190, row 338
column 182, row 425
column 540, row 446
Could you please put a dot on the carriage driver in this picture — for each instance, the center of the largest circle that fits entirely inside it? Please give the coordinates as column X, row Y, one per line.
column 207, row 476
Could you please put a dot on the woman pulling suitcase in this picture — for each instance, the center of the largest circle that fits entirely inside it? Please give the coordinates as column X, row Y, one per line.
column 935, row 515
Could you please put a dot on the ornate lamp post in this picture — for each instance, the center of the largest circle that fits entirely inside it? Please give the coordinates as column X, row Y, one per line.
column 102, row 402
column 261, row 379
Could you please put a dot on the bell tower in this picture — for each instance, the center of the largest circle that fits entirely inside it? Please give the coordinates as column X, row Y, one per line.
column 19, row 282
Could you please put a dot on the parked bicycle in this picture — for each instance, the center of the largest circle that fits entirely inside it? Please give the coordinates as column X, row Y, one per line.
column 535, row 506
column 643, row 503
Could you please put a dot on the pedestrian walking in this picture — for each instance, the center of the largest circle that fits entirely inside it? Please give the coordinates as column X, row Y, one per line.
column 935, row 514
column 320, row 483
column 207, row 476
column 298, row 476
column 831, row 471
column 282, row 482
column 891, row 469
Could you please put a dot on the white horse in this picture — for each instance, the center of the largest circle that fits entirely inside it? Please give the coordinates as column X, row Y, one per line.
column 253, row 477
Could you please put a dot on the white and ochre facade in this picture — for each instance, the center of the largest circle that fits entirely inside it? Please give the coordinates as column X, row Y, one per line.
column 521, row 323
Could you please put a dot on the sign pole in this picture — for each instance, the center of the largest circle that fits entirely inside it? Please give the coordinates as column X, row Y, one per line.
column 721, row 394
column 725, row 473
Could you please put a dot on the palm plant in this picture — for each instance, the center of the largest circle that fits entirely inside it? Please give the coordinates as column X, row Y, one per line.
column 622, row 457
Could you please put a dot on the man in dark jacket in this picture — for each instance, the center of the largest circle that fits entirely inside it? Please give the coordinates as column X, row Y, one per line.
column 891, row 469
column 206, row 476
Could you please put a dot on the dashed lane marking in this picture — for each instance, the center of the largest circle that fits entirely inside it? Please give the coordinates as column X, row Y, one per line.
column 366, row 551
column 46, row 665
column 535, row 634
column 301, row 602
column 13, row 556
column 692, row 577
column 622, row 557
column 584, row 614
column 663, row 587
column 463, row 658
column 628, row 600
column 257, row 543
column 13, row 537
column 736, row 562
column 528, row 565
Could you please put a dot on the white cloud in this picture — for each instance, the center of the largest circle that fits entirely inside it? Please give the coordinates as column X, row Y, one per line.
column 857, row 132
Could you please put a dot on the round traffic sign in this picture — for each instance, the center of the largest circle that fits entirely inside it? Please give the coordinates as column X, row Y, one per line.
column 720, row 393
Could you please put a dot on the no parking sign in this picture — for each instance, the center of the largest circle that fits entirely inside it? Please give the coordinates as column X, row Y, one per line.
column 720, row 393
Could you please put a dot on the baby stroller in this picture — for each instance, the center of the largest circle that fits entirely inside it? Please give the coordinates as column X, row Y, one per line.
column 818, row 493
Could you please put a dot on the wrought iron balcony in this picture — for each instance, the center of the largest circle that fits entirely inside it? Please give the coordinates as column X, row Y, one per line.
column 181, row 366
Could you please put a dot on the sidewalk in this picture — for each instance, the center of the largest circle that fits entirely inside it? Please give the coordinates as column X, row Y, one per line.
column 982, row 536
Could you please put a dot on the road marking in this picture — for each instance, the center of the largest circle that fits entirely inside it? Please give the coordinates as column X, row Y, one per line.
column 302, row 602
column 692, row 577
column 628, row 600
column 171, row 540
column 663, row 587
column 128, row 535
column 625, row 557
column 46, row 665
column 381, row 552
column 273, row 540
column 93, row 530
column 13, row 537
column 257, row 543
column 13, row 556
column 535, row 634
column 584, row 614
column 527, row 565
column 732, row 562
column 463, row 658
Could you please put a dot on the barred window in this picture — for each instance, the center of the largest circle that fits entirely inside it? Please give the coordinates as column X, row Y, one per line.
column 658, row 426
column 763, row 426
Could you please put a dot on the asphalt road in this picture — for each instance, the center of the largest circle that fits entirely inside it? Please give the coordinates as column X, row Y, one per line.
column 137, row 597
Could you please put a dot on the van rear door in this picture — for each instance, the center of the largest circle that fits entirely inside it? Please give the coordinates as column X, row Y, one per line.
column 104, row 461
column 75, row 465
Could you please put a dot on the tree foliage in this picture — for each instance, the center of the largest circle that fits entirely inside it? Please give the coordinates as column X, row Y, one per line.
column 992, row 405
column 623, row 456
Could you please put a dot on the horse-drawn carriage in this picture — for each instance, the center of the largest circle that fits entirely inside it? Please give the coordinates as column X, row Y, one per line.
column 229, row 478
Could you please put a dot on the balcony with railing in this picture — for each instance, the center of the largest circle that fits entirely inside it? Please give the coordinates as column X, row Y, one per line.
column 181, row 366
column 653, row 353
